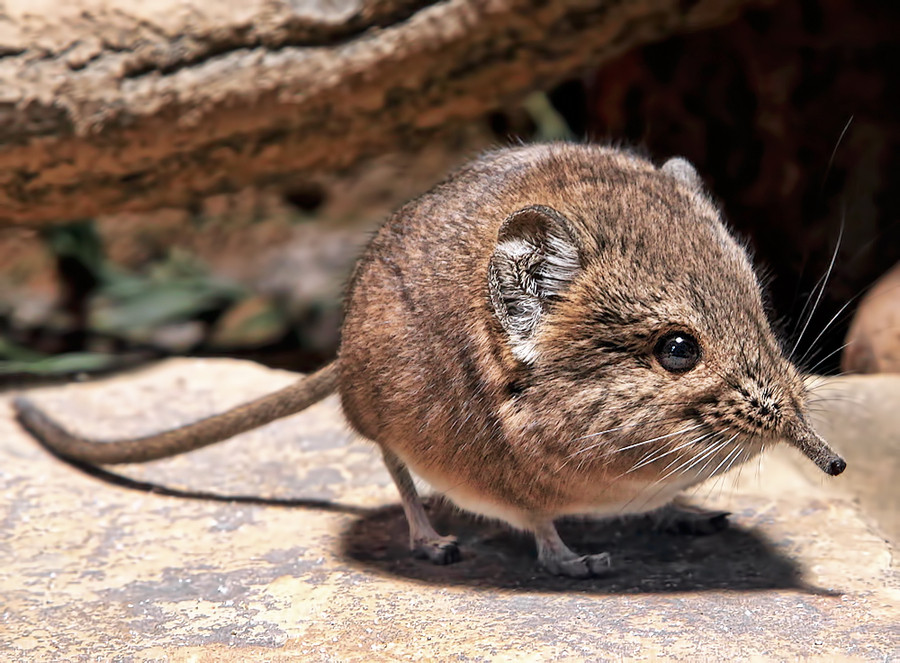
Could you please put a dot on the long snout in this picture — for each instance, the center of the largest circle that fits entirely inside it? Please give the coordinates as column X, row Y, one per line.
column 814, row 447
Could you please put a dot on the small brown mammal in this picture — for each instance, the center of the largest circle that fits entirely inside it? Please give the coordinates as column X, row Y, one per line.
column 555, row 329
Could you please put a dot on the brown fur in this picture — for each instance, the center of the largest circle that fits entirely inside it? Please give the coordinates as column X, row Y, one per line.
column 499, row 340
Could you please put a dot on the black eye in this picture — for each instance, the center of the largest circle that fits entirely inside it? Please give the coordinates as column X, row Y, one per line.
column 677, row 352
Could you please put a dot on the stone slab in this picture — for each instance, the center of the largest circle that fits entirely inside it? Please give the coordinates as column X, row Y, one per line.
column 288, row 543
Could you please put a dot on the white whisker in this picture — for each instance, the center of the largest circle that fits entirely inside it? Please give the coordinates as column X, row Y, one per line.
column 834, row 151
column 710, row 451
column 824, row 282
column 826, row 358
column 825, row 329
column 610, row 430
column 733, row 461
column 661, row 437
column 724, row 460
column 684, row 467
column 720, row 479
column 710, row 459
column 631, row 425
column 655, row 455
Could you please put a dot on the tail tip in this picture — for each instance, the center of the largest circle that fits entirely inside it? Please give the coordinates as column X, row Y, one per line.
column 22, row 406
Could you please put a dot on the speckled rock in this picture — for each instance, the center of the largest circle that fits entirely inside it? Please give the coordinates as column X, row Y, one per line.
column 287, row 543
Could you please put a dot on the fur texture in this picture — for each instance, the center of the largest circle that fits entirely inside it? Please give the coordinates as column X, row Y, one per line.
column 500, row 330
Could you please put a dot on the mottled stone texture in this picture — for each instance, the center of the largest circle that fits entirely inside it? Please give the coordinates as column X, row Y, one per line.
column 127, row 105
column 101, row 568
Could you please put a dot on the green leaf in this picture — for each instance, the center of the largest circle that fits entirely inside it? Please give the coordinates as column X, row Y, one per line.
column 71, row 362
column 9, row 350
column 143, row 306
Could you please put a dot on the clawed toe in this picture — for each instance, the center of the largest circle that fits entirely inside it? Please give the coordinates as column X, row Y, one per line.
column 441, row 550
column 585, row 566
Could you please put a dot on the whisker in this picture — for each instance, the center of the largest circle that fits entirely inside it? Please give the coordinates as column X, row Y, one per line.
column 824, row 283
column 826, row 357
column 654, row 457
column 709, row 452
column 724, row 460
column 803, row 311
column 834, row 152
column 834, row 318
column 638, row 444
column 630, row 407
column 733, row 461
column 690, row 462
column 824, row 182
column 740, row 473
column 709, row 460
column 711, row 486
column 718, row 437
column 682, row 469
column 661, row 437
column 831, row 321
column 721, row 479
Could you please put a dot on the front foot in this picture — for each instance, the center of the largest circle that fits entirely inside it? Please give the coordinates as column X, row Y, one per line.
column 585, row 566
column 439, row 550
column 685, row 519
column 556, row 557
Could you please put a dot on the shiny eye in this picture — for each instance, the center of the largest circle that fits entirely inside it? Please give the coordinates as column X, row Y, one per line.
column 677, row 352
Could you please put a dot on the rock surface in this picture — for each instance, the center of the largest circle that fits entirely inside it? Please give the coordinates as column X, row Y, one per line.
column 247, row 565
column 873, row 342
column 131, row 105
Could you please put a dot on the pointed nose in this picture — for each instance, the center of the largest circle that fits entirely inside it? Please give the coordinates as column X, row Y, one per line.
column 803, row 437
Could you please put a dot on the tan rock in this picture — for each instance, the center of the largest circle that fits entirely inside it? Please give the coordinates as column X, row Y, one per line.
column 873, row 342
column 140, row 104
column 94, row 570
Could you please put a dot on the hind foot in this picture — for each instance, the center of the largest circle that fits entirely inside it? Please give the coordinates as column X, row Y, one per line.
column 439, row 550
column 424, row 542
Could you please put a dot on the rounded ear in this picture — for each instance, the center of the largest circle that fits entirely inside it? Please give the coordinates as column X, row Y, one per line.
column 535, row 258
column 682, row 170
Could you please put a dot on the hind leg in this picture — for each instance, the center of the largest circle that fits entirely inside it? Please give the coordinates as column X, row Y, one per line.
column 424, row 542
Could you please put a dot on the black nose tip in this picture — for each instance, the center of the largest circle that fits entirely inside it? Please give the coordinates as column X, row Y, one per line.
column 836, row 466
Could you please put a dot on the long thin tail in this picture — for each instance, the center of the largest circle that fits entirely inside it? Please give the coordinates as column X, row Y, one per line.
column 291, row 399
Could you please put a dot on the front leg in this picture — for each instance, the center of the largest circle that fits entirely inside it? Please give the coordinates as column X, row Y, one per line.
column 559, row 560
column 424, row 542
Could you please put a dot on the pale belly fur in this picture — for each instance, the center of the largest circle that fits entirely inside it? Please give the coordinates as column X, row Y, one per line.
column 631, row 498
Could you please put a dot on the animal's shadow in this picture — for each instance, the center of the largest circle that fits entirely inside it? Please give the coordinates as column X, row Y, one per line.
column 644, row 559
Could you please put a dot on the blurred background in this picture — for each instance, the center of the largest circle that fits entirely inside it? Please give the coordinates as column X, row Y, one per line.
column 788, row 111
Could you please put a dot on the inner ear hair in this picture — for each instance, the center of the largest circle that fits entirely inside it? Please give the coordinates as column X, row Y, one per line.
column 534, row 260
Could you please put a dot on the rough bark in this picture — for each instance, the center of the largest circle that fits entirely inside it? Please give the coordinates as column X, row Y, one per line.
column 112, row 106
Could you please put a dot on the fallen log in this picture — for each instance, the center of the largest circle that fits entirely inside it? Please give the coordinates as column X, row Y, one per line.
column 129, row 105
